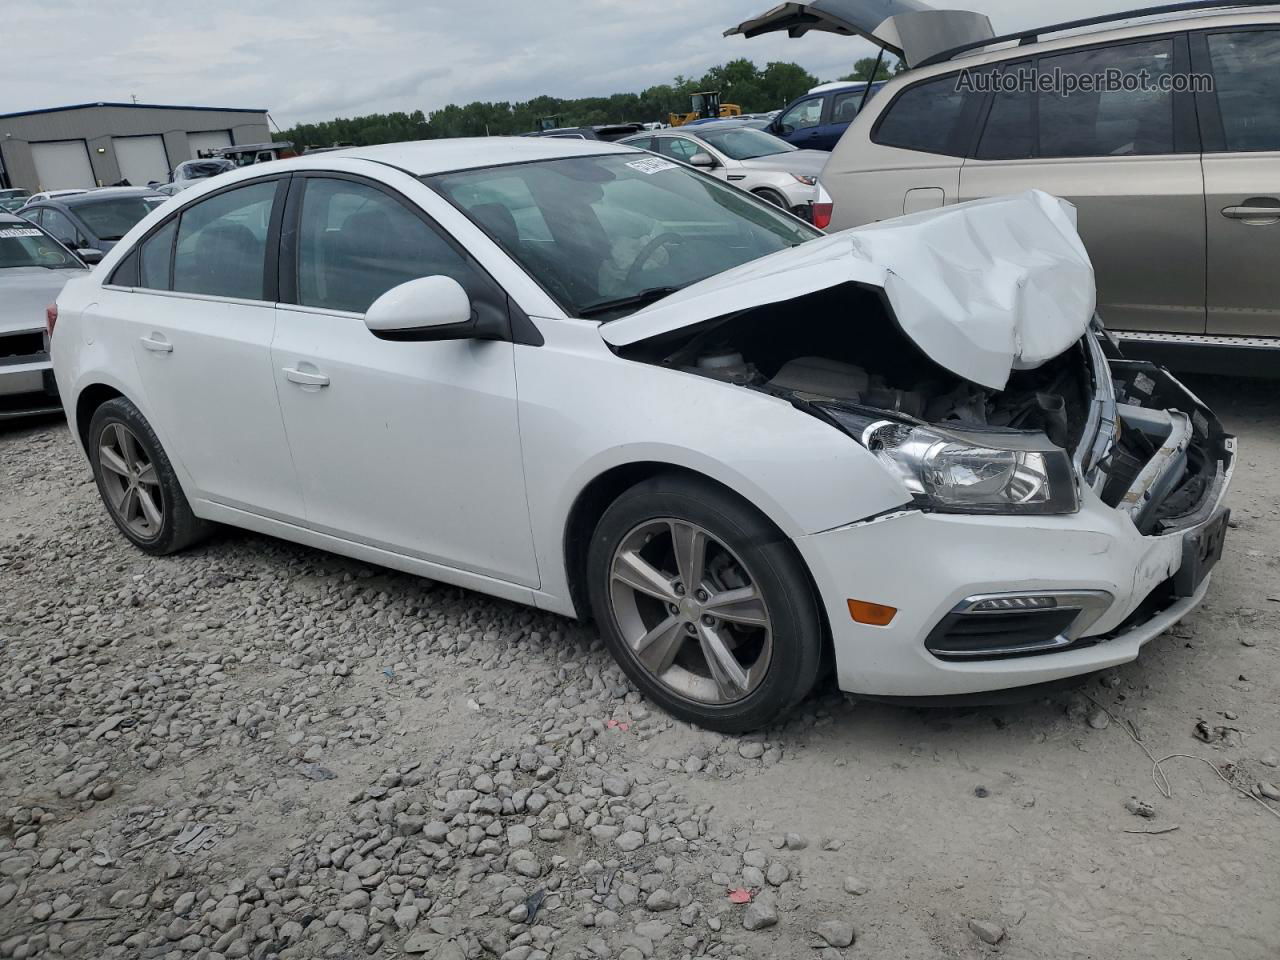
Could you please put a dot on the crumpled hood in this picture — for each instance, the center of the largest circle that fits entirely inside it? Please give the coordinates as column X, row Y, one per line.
column 809, row 163
column 26, row 291
column 983, row 288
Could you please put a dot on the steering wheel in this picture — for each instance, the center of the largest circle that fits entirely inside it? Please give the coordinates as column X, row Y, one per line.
column 645, row 255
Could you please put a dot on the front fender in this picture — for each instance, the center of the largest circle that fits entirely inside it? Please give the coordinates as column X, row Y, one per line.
column 585, row 411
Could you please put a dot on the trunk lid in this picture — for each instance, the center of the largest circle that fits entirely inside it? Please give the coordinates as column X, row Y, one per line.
column 983, row 288
column 910, row 29
column 26, row 291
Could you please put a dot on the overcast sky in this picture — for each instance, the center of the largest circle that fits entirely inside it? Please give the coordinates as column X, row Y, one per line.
column 317, row 59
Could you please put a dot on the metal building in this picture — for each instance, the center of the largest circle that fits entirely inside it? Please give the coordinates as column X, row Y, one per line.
column 99, row 144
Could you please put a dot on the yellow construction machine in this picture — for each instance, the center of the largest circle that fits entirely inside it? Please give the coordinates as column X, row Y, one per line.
column 706, row 106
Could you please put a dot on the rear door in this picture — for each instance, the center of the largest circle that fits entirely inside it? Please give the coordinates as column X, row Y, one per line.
column 197, row 301
column 1240, row 121
column 1129, row 159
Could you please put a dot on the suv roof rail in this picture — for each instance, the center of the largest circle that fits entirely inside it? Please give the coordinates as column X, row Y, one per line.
column 1027, row 37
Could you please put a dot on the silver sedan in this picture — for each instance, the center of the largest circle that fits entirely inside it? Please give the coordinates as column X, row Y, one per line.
column 751, row 159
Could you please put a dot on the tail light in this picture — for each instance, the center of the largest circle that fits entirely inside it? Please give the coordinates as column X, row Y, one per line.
column 51, row 317
column 822, row 215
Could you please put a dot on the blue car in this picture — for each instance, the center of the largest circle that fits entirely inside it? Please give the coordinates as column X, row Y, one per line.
column 819, row 119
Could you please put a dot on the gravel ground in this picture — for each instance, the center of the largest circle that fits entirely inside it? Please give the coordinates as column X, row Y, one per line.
column 258, row 750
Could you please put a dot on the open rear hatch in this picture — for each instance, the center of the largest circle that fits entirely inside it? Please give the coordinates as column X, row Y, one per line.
column 910, row 29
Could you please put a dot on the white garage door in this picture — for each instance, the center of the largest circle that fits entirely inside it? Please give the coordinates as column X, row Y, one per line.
column 62, row 164
column 208, row 140
column 141, row 159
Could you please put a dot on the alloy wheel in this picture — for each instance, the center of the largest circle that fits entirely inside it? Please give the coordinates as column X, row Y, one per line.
column 130, row 482
column 689, row 610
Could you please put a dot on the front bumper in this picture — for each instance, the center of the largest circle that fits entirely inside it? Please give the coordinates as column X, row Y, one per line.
column 929, row 565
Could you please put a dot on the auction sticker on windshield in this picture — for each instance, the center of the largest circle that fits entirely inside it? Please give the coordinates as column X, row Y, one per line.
column 19, row 232
column 651, row 165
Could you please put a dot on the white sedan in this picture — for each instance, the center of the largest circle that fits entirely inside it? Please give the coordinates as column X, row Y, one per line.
column 585, row 378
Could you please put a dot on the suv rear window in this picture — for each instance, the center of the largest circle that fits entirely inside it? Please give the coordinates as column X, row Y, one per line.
column 931, row 117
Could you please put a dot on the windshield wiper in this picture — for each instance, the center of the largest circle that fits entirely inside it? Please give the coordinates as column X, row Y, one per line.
column 637, row 300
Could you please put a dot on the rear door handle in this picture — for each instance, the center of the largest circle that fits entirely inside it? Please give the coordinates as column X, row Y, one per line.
column 157, row 344
column 1251, row 212
column 306, row 379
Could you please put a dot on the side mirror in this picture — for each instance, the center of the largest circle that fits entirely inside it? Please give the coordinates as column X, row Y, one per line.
column 429, row 308
column 89, row 255
column 703, row 161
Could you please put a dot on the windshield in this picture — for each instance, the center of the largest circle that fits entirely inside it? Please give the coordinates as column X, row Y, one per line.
column 199, row 170
column 112, row 219
column 604, row 234
column 744, row 143
column 27, row 246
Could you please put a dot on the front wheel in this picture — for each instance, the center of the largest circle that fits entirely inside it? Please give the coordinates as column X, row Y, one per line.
column 705, row 604
column 772, row 196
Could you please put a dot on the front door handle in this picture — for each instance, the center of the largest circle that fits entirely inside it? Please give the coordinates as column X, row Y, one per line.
column 157, row 344
column 306, row 379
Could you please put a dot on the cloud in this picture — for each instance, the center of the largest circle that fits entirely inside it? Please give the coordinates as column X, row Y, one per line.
column 318, row 59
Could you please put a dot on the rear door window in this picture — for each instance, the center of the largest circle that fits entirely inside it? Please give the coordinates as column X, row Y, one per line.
column 1110, row 122
column 1244, row 73
column 222, row 244
column 845, row 106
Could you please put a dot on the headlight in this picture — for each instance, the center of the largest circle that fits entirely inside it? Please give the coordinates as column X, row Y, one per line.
column 970, row 471
column 807, row 181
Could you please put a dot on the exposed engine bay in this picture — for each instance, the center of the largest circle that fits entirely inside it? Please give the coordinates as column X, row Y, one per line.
column 793, row 350
column 1144, row 444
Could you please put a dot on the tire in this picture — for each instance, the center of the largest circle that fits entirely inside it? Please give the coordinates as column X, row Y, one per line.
column 742, row 556
column 772, row 196
column 119, row 437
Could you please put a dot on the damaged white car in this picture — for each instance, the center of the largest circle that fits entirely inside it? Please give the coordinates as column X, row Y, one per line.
column 584, row 378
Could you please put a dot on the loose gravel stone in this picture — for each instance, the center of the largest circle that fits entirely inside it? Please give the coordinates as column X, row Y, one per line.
column 760, row 913
column 836, row 933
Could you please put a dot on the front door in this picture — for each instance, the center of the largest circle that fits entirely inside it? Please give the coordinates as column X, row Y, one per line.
column 1128, row 160
column 200, row 321
column 410, row 447
column 800, row 124
column 1241, row 120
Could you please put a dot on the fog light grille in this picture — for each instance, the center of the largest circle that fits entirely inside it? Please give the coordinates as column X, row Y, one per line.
column 1011, row 625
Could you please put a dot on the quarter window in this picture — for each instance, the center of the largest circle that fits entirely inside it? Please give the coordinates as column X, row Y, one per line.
column 222, row 244
column 1244, row 66
column 929, row 117
column 355, row 243
column 156, row 255
column 1110, row 123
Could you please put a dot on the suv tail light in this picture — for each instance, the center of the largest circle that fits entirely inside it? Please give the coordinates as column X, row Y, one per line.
column 51, row 317
column 822, row 215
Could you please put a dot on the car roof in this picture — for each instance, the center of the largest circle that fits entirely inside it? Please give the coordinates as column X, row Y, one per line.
column 425, row 157
column 106, row 193
column 1136, row 27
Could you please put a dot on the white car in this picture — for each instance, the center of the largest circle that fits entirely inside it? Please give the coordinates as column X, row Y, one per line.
column 751, row 160
column 33, row 268
column 582, row 377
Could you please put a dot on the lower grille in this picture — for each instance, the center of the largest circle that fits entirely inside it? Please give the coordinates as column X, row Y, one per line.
column 996, row 626
column 22, row 347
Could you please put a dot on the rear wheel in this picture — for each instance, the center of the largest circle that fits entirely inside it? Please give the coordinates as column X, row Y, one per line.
column 705, row 604
column 137, row 482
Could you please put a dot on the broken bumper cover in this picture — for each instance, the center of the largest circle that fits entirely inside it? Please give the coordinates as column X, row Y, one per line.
column 933, row 566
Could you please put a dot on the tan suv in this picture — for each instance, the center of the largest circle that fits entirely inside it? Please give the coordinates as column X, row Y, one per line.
column 1171, row 153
